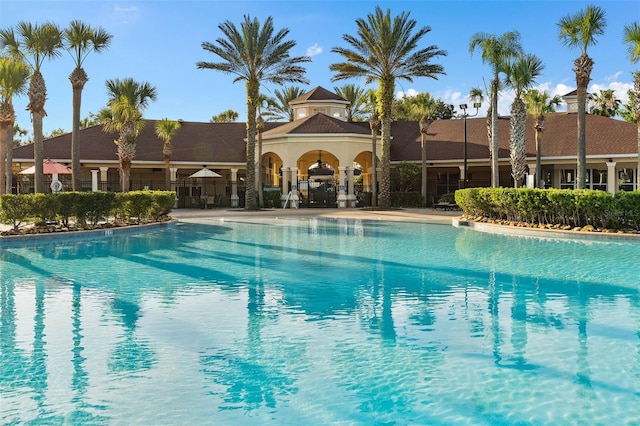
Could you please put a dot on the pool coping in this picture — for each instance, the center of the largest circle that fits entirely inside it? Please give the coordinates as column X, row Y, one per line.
column 64, row 236
column 511, row 230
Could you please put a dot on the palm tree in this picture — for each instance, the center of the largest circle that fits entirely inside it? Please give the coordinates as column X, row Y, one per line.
column 476, row 94
column 14, row 74
column 498, row 52
column 80, row 39
column 522, row 74
column 123, row 114
column 255, row 54
column 386, row 50
column 580, row 30
column 166, row 129
column 538, row 104
column 632, row 38
column 34, row 44
column 228, row 116
column 371, row 101
column 605, row 103
column 424, row 108
column 357, row 100
column 278, row 107
column 628, row 110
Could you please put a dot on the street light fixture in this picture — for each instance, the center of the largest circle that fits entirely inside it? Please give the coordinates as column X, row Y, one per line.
column 463, row 107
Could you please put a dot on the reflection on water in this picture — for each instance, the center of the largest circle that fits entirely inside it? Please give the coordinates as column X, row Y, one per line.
column 314, row 321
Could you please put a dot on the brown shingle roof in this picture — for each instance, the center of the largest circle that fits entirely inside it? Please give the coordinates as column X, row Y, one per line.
column 605, row 136
column 224, row 142
column 317, row 94
column 317, row 123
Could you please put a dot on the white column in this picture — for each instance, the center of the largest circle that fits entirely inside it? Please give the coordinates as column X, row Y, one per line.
column 285, row 184
column 612, row 178
column 235, row 200
column 461, row 181
column 531, row 177
column 342, row 193
column 351, row 196
column 94, row 180
column 173, row 175
column 294, row 185
column 103, row 177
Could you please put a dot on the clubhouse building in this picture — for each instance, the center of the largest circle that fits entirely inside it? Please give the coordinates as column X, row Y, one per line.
column 320, row 156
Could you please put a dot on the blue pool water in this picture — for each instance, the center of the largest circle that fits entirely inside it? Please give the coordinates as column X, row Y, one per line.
column 317, row 322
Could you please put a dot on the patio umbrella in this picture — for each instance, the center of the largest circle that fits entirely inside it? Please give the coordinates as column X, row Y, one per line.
column 49, row 167
column 205, row 173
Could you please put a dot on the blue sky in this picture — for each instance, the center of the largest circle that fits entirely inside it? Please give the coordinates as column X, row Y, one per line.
column 160, row 42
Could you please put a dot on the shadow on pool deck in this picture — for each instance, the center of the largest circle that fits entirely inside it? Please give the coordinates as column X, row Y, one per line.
column 403, row 215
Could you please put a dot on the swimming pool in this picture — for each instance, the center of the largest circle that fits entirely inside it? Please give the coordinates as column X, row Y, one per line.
column 320, row 321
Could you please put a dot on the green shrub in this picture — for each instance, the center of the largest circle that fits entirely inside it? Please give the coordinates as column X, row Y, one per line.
column 406, row 199
column 15, row 209
column 553, row 206
column 271, row 198
column 163, row 202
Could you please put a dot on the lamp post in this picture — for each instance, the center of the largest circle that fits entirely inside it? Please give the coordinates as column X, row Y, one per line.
column 463, row 107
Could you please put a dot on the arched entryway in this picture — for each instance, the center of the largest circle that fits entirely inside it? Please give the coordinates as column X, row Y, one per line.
column 318, row 176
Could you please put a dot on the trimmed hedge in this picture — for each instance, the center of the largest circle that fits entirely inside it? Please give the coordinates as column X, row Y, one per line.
column 84, row 207
column 567, row 207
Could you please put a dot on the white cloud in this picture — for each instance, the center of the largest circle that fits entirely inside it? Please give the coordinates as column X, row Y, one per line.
column 314, row 50
column 127, row 15
column 619, row 88
column 613, row 77
column 406, row 94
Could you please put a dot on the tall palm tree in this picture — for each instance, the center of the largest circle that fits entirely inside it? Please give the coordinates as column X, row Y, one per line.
column 632, row 38
column 371, row 101
column 476, row 94
column 605, row 103
column 424, row 108
column 34, row 43
column 356, row 96
column 123, row 114
column 278, row 107
column 497, row 52
column 228, row 116
column 166, row 130
column 539, row 103
column 386, row 49
column 580, row 30
column 522, row 74
column 79, row 40
column 254, row 54
column 14, row 74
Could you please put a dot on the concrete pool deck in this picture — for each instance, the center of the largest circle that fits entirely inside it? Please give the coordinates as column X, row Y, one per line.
column 400, row 215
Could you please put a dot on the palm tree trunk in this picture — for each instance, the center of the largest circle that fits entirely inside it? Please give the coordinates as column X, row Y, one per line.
column 9, row 183
column 78, row 79
column 538, row 133
column 37, row 97
column 423, row 189
column 374, row 166
column 517, row 139
column 259, row 165
column 253, row 87
column 167, row 173
column 495, row 171
column 582, row 68
column 7, row 118
column 386, row 100
column 38, row 155
column 4, row 137
column 636, row 88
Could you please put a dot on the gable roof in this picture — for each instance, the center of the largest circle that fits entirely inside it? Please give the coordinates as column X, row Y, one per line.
column 318, row 94
column 316, row 123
